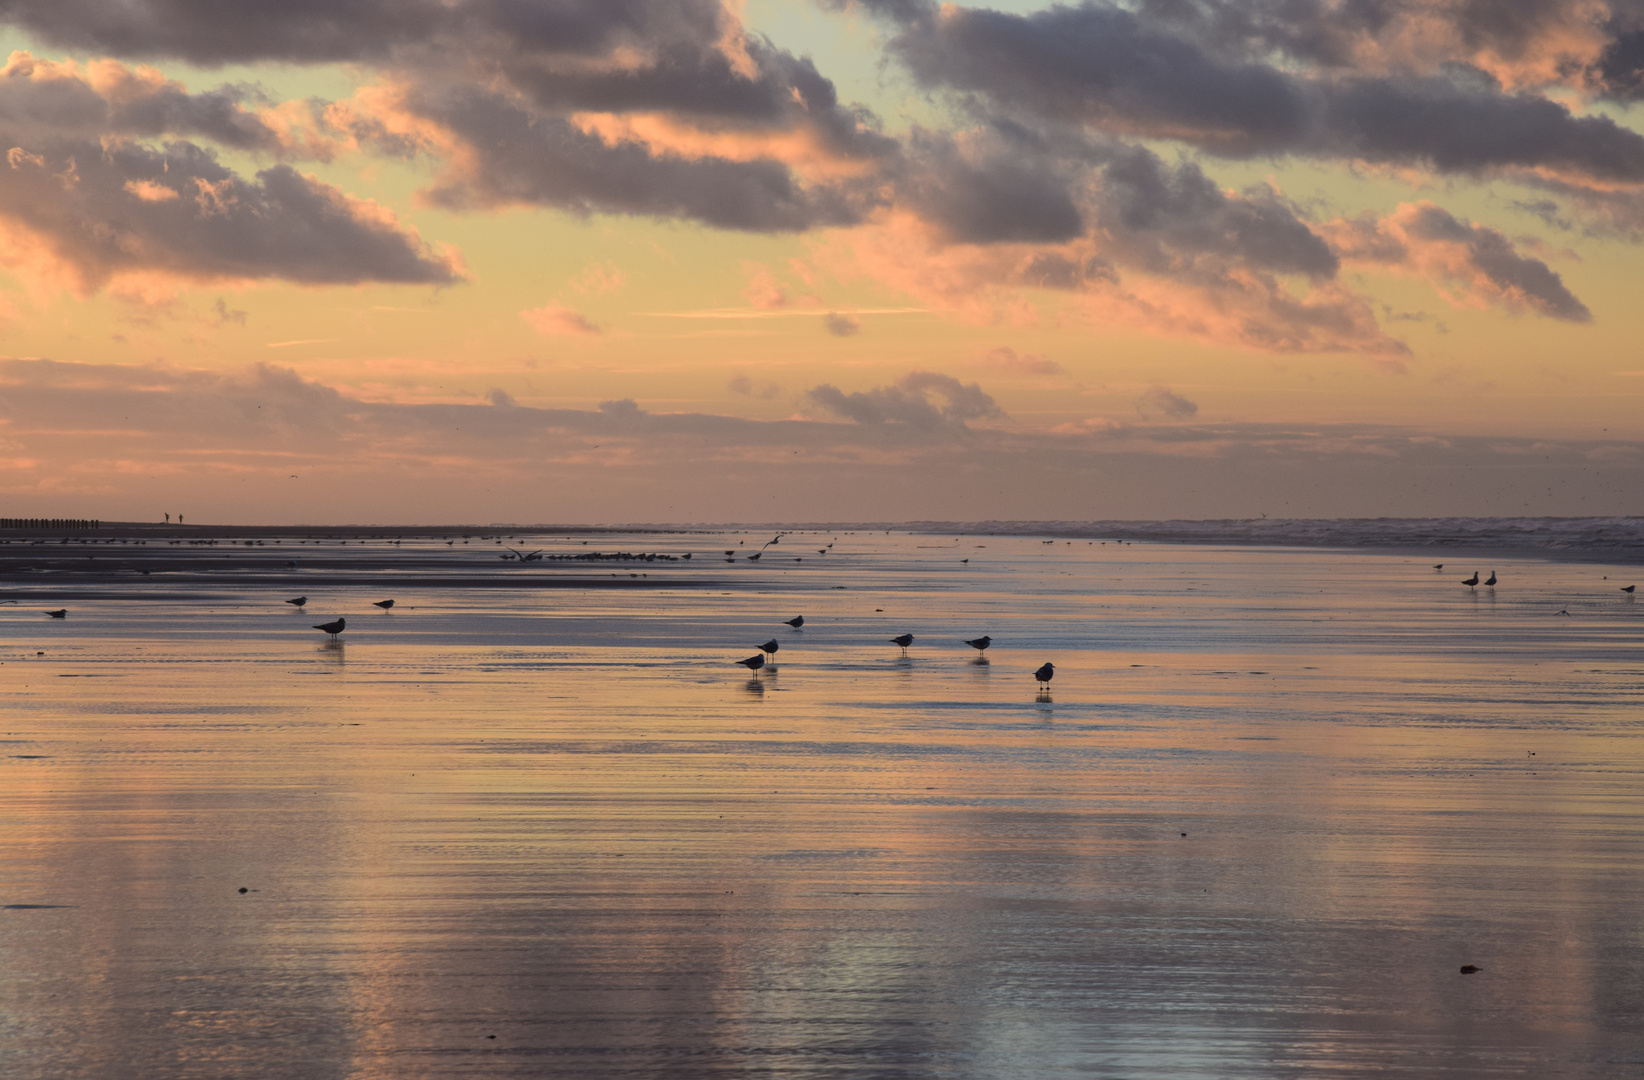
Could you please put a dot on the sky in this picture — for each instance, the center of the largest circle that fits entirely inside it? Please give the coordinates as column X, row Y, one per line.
column 619, row 261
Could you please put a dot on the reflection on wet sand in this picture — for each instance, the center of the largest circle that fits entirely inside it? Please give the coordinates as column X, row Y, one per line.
column 1258, row 833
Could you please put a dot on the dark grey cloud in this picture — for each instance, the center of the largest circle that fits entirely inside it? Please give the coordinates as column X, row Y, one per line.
column 841, row 325
column 103, row 209
column 215, row 32
column 1164, row 400
column 1493, row 257
column 1139, row 73
column 909, row 401
column 43, row 99
column 521, row 157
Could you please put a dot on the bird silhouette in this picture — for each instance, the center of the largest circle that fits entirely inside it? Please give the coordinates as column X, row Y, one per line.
column 298, row 601
column 980, row 644
column 384, row 604
column 60, row 613
column 1471, row 582
column 1492, row 580
column 333, row 628
column 903, row 640
column 1438, row 566
column 770, row 647
column 1044, row 673
column 754, row 662
column 1628, row 588
column 755, row 556
column 797, row 621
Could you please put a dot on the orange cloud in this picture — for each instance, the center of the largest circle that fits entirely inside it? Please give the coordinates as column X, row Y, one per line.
column 557, row 320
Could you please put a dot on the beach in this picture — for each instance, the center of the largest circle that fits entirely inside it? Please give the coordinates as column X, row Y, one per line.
column 534, row 819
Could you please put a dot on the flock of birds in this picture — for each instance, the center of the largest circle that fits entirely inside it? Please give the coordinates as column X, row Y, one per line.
column 767, row 651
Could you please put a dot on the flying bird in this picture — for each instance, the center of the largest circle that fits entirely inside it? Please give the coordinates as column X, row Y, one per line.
column 1045, row 672
column 298, row 601
column 333, row 628
column 60, row 613
column 754, row 662
column 1492, row 581
column 770, row 647
column 797, row 621
column 980, row 644
column 384, row 604
column 1470, row 582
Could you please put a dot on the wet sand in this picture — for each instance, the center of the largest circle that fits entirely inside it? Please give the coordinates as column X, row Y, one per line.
column 506, row 831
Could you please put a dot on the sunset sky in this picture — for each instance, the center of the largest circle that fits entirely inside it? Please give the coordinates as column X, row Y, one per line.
column 799, row 260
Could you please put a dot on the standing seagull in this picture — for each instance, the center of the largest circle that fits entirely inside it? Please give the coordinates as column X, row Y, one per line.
column 797, row 621
column 1628, row 589
column 754, row 662
column 1471, row 582
column 298, row 602
column 903, row 640
column 1492, row 580
column 770, row 647
column 980, row 644
column 333, row 628
column 384, row 604
column 1044, row 673
column 60, row 613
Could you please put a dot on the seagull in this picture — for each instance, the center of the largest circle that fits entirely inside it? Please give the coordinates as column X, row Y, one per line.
column 797, row 621
column 60, row 613
column 333, row 628
column 384, row 604
column 298, row 602
column 770, row 647
column 1471, row 582
column 1438, row 566
column 1628, row 588
column 1045, row 672
column 755, row 556
column 1492, row 581
column 903, row 640
column 754, row 662
column 980, row 644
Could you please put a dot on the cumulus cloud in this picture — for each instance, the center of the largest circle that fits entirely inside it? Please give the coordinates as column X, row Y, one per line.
column 84, row 200
column 1480, row 264
column 841, row 325
column 558, row 320
column 68, row 204
column 910, row 401
column 1162, row 399
column 1206, row 75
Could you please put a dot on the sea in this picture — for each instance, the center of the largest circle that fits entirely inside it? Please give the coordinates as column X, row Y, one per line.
column 1299, row 802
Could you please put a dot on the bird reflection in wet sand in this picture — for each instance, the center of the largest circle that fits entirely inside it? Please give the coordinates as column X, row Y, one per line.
column 755, row 687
